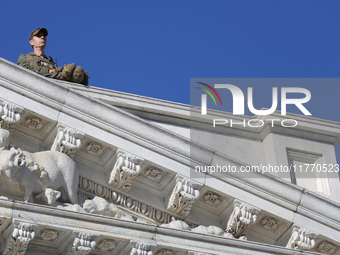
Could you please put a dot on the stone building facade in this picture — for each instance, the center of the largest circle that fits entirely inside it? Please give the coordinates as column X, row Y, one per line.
column 86, row 170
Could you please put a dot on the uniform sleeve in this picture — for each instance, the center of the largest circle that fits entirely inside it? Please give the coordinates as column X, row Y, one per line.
column 22, row 61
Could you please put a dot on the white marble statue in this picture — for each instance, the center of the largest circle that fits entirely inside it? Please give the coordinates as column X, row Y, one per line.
column 34, row 173
column 99, row 205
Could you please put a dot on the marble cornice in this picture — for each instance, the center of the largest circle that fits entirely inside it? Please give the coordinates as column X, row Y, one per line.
column 130, row 230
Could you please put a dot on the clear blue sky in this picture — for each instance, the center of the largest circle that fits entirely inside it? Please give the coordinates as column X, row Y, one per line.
column 153, row 48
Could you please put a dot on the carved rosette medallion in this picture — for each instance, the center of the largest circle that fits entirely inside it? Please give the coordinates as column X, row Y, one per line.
column 153, row 174
column 107, row 245
column 9, row 114
column 49, row 234
column 18, row 241
column 198, row 253
column 211, row 198
column 183, row 195
column 242, row 216
column 94, row 149
column 67, row 141
column 270, row 223
column 326, row 248
column 141, row 248
column 165, row 252
column 126, row 168
column 302, row 239
column 33, row 123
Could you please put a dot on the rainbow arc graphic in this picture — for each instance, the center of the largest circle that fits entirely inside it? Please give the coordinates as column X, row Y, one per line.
column 204, row 97
column 209, row 93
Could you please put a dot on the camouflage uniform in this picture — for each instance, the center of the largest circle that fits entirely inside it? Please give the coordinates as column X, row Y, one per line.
column 41, row 65
column 44, row 64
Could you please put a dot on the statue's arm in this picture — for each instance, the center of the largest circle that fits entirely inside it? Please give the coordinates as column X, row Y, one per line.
column 22, row 61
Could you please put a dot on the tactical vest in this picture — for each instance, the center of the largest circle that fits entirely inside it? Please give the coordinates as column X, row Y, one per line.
column 39, row 62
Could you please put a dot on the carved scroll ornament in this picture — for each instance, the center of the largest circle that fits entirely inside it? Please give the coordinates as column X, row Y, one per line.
column 126, row 168
column 242, row 216
column 83, row 244
column 9, row 114
column 67, row 141
column 141, row 248
column 183, row 196
column 302, row 239
column 18, row 239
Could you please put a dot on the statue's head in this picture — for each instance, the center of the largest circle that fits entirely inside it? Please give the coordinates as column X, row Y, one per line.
column 12, row 159
column 4, row 139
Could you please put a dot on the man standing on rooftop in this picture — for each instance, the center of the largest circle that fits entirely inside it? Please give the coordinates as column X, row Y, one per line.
column 37, row 61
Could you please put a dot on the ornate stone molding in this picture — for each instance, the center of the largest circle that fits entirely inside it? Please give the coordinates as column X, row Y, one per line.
column 9, row 114
column 67, row 141
column 165, row 252
column 125, row 169
column 212, row 198
column 153, row 174
column 122, row 200
column 83, row 244
column 17, row 239
column 107, row 245
column 49, row 234
column 326, row 248
column 183, row 195
column 242, row 216
column 141, row 248
column 302, row 239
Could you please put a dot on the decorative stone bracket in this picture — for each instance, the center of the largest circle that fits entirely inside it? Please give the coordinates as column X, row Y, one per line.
column 9, row 114
column 242, row 216
column 17, row 237
column 302, row 239
column 67, row 141
column 141, row 248
column 125, row 169
column 83, row 244
column 183, row 195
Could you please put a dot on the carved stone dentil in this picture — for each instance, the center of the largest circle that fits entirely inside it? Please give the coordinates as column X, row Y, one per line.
column 67, row 141
column 49, row 234
column 241, row 217
column 183, row 195
column 83, row 244
column 18, row 239
column 212, row 198
column 33, row 123
column 107, row 245
column 326, row 248
column 126, row 168
column 153, row 174
column 9, row 114
column 141, row 248
column 302, row 239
